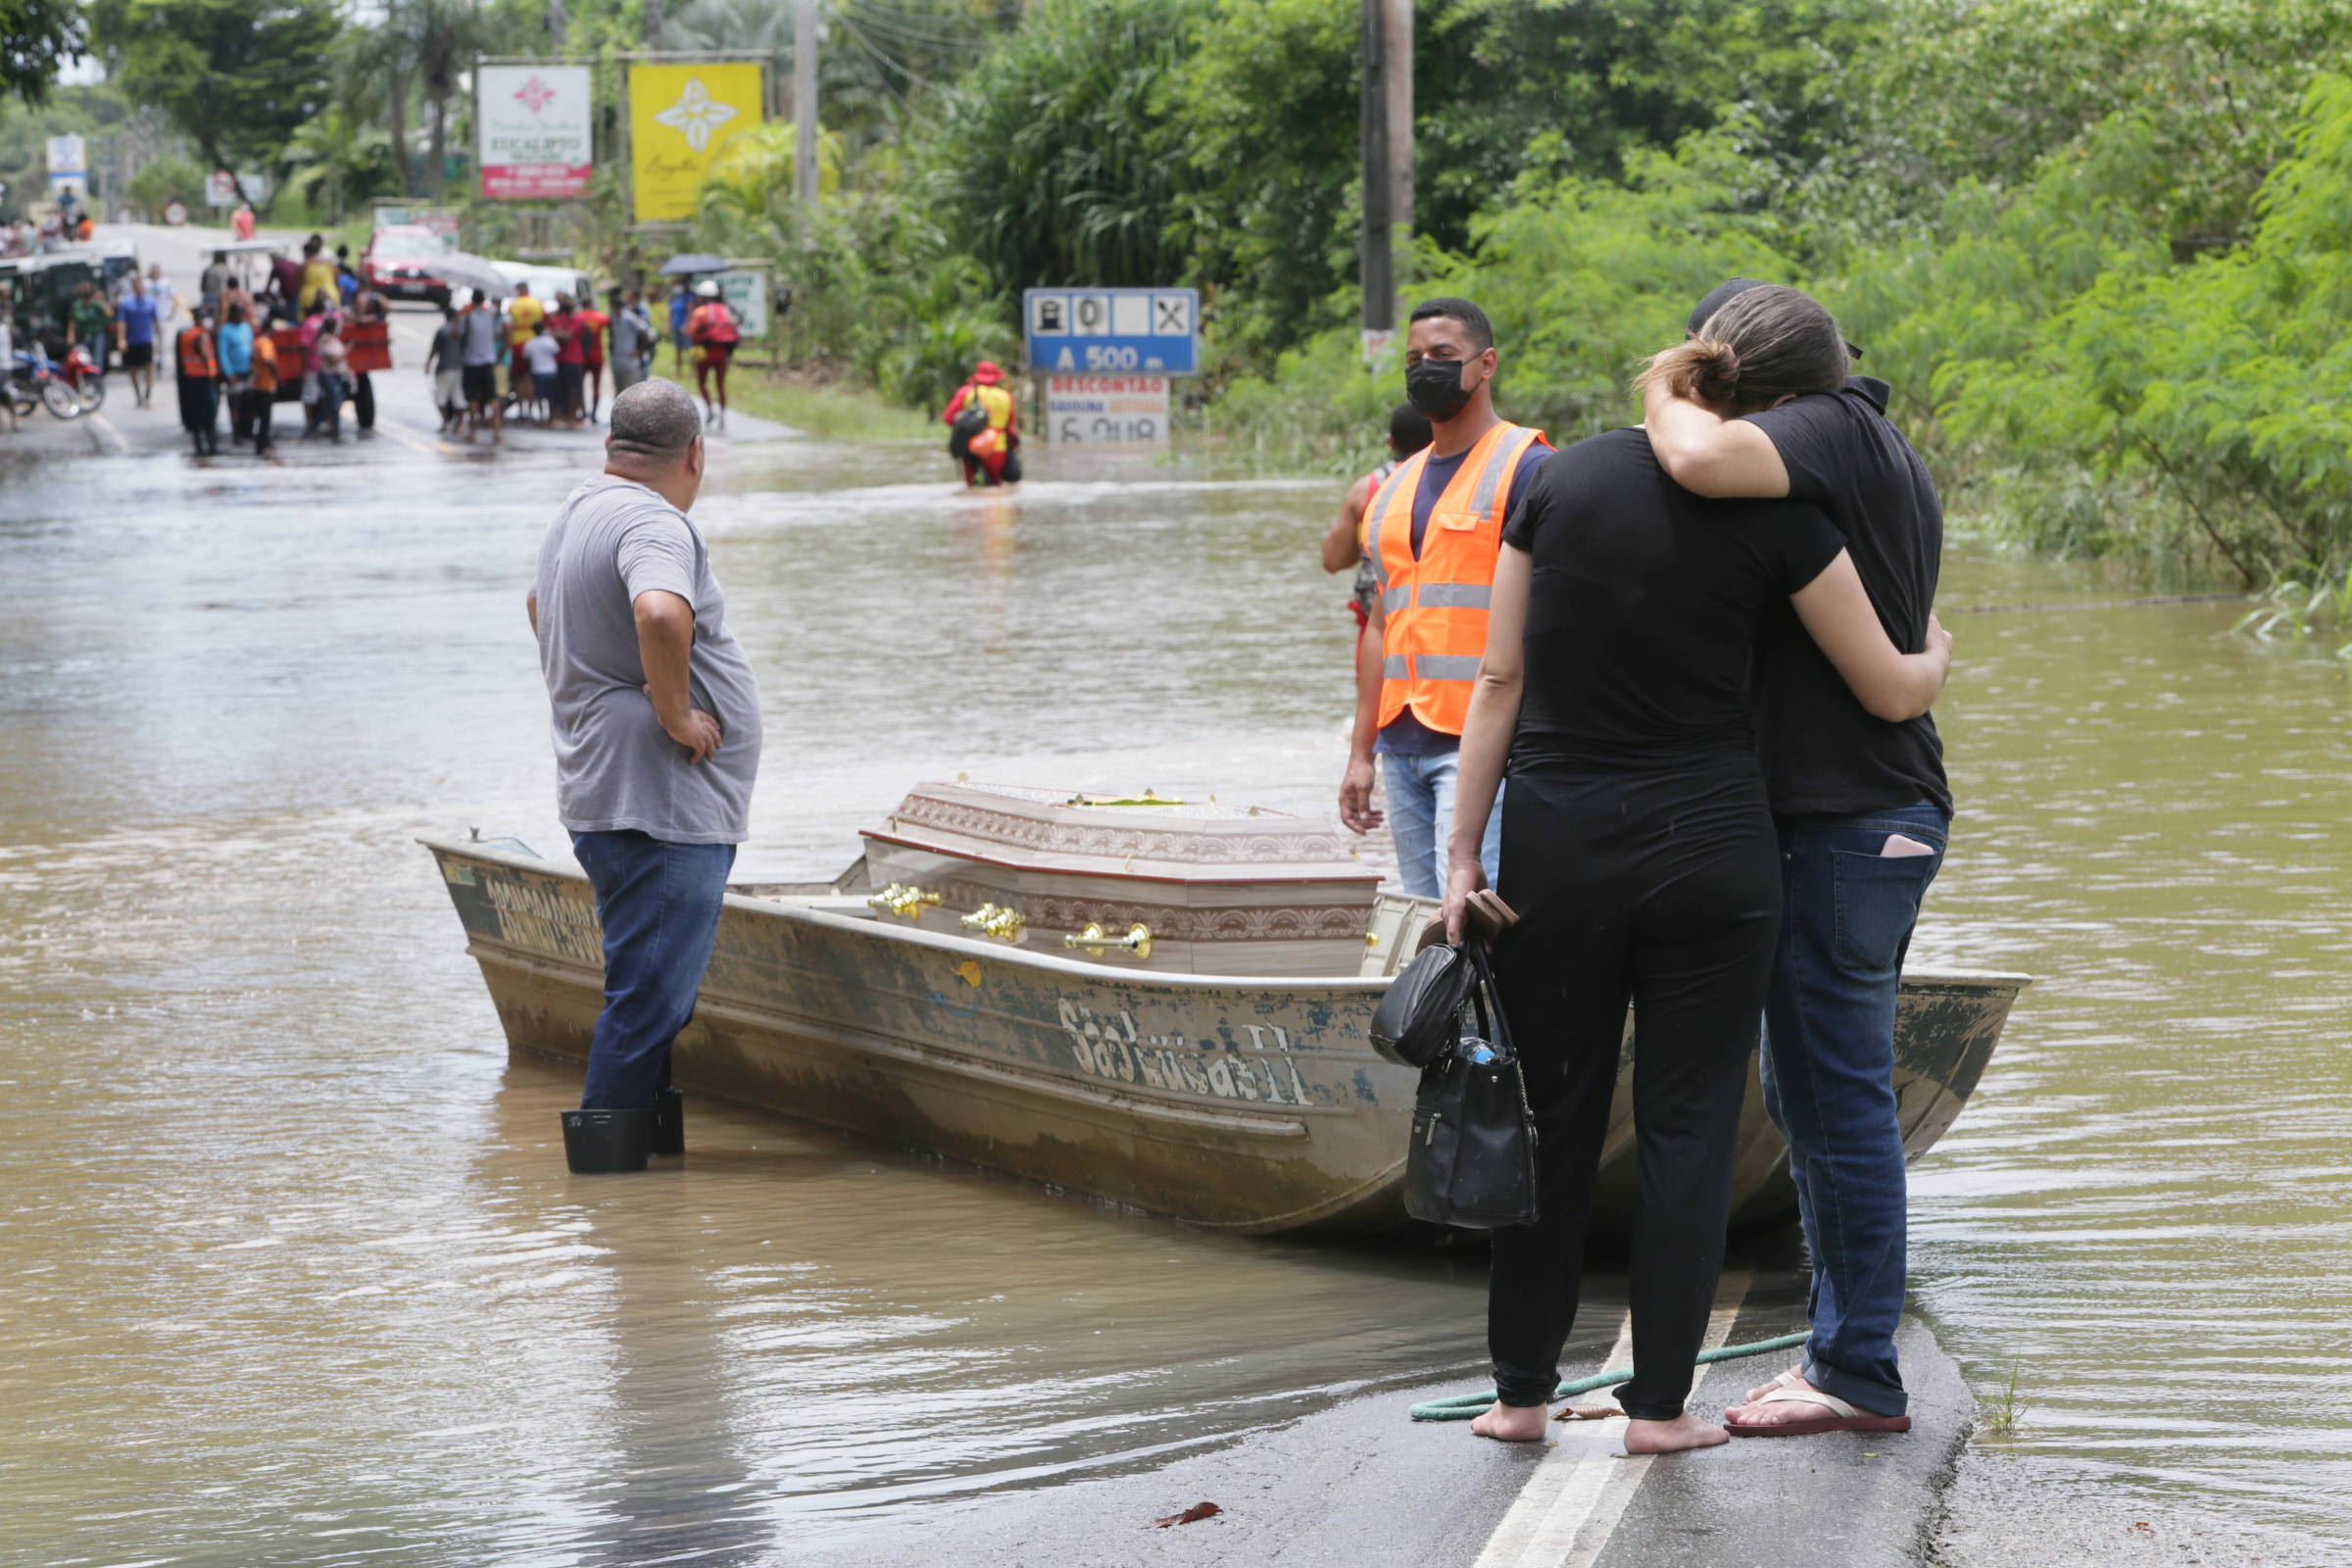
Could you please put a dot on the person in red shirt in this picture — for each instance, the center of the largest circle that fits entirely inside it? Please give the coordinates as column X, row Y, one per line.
column 571, row 362
column 592, row 324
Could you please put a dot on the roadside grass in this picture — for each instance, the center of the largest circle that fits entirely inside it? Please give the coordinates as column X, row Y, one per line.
column 2003, row 1412
column 835, row 412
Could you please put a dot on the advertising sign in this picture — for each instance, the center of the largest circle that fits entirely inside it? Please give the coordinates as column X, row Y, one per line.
column 1107, row 330
column 1108, row 409
column 745, row 291
column 67, row 154
column 681, row 117
column 535, row 140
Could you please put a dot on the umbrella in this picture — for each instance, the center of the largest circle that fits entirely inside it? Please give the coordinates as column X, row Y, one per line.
column 462, row 270
column 690, row 265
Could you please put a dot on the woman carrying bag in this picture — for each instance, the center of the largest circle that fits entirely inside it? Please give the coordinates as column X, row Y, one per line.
column 1638, row 849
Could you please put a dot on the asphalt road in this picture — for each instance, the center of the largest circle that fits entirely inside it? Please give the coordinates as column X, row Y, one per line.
column 406, row 423
column 1361, row 1486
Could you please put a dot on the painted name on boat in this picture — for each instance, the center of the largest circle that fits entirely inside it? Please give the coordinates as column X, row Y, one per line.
column 1113, row 1047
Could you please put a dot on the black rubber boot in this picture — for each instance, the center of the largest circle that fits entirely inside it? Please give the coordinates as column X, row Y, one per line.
column 598, row 1142
column 669, row 1122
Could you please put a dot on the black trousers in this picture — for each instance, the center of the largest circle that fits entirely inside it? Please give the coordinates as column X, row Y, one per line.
column 1661, row 887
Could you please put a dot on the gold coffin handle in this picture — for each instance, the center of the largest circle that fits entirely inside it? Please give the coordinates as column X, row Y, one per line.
column 1096, row 941
column 905, row 900
column 990, row 920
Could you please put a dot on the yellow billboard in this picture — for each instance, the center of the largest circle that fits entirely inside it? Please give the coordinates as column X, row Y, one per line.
column 680, row 116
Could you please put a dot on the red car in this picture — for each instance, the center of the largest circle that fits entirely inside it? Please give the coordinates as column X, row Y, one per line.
column 398, row 263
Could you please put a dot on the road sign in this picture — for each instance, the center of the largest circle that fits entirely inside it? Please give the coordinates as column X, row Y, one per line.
column 1108, row 331
column 221, row 191
column 745, row 289
column 1091, row 409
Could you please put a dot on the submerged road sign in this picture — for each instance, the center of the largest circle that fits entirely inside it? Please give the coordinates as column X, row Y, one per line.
column 1109, row 331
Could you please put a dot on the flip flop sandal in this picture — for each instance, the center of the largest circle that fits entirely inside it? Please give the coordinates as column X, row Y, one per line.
column 1846, row 1418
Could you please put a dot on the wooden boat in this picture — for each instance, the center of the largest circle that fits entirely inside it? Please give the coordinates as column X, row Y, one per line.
column 1055, row 1036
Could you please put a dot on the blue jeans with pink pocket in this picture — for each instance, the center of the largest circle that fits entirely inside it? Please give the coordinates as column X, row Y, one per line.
column 1828, row 1079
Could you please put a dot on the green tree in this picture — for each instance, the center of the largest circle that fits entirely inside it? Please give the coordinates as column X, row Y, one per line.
column 2215, row 400
column 37, row 38
column 238, row 77
column 334, row 162
column 1985, row 91
column 1268, row 111
column 1058, row 159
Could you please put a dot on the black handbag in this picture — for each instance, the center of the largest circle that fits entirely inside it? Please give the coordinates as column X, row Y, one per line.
column 1472, row 1162
column 1415, row 1023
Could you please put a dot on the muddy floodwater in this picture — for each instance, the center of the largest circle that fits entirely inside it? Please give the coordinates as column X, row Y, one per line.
column 293, row 1270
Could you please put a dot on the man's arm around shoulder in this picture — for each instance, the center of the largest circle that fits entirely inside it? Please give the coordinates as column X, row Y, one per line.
column 1709, row 455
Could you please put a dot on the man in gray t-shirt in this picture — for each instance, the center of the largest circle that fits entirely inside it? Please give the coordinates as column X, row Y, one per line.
column 657, row 737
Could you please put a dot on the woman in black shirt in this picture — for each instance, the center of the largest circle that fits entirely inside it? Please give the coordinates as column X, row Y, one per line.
column 1638, row 846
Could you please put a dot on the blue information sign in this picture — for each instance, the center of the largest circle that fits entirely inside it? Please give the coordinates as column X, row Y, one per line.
column 1113, row 331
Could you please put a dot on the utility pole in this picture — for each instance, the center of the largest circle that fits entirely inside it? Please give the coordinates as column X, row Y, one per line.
column 1375, row 259
column 1386, row 127
column 804, row 102
column 1398, row 14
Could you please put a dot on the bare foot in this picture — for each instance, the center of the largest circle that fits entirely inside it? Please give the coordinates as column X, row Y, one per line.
column 1673, row 1437
column 1511, row 1423
column 1756, row 1413
column 1794, row 1373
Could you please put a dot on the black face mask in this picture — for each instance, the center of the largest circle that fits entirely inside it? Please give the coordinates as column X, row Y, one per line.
column 1435, row 387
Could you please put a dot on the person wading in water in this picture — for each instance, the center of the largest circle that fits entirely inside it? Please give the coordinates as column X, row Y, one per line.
column 1639, row 850
column 1864, row 813
column 1431, row 532
column 657, row 732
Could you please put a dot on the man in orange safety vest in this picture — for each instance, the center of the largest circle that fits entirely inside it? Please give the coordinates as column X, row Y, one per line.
column 1433, row 532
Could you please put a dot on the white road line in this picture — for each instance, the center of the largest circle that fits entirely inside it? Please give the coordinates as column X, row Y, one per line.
column 1574, row 1497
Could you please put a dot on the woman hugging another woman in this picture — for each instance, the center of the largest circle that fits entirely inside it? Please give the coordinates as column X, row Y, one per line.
column 1638, row 846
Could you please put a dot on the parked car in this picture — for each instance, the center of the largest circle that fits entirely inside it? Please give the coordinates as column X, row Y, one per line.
column 398, row 263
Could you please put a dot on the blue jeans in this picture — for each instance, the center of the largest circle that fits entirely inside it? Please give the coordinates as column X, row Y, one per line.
column 1828, row 1081
column 1421, row 815
column 659, row 903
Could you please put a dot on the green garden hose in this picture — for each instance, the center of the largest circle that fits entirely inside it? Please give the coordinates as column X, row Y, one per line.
column 1463, row 1406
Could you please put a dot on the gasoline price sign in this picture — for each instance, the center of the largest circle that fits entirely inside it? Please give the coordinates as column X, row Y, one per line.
column 1112, row 331
column 1108, row 409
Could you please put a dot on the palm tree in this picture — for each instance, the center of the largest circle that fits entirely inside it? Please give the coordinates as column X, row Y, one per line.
column 437, row 40
column 334, row 160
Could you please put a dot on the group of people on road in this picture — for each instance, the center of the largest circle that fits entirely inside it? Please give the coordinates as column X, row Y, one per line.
column 553, row 361
column 1666, row 691
column 68, row 222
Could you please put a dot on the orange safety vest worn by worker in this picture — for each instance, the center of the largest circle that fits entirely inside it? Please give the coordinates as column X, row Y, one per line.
column 264, row 362
column 197, row 361
column 1437, row 604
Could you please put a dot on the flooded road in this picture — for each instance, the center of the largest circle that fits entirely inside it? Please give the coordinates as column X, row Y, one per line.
column 296, row 1275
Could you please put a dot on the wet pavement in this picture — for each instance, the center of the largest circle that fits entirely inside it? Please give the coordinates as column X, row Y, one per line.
column 296, row 1275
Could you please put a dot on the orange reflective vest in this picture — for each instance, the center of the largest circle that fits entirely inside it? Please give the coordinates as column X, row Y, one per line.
column 196, row 357
column 264, row 362
column 1435, row 605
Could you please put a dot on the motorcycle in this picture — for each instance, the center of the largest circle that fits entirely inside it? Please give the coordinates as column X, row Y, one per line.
column 39, row 381
column 80, row 372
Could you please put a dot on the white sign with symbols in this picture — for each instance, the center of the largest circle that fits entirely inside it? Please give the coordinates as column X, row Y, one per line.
column 69, row 155
column 745, row 289
column 221, row 191
column 1108, row 409
column 1104, row 331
